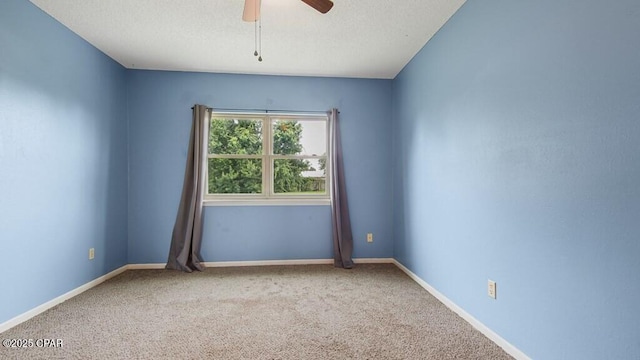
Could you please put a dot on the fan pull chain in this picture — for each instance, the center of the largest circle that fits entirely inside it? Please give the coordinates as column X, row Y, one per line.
column 255, row 29
column 255, row 36
column 260, row 43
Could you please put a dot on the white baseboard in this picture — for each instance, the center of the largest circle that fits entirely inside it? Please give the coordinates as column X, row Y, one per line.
column 504, row 344
column 66, row 296
column 215, row 264
column 269, row 262
column 151, row 266
column 374, row 261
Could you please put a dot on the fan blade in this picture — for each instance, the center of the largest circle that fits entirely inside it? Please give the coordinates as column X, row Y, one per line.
column 321, row 5
column 251, row 10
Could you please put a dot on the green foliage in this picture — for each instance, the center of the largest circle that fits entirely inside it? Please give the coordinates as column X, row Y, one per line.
column 239, row 137
column 244, row 176
column 286, row 137
column 288, row 172
column 235, row 176
column 323, row 164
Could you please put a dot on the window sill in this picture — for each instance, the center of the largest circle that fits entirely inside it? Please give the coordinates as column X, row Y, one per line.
column 268, row 202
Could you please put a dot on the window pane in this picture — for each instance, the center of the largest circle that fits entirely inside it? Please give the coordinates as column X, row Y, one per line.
column 235, row 136
column 235, row 176
column 299, row 176
column 299, row 137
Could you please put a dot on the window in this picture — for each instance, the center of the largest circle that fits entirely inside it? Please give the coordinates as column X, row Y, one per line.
column 268, row 158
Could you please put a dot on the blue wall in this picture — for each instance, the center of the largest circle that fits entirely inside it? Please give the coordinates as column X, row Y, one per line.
column 160, row 120
column 63, row 160
column 517, row 135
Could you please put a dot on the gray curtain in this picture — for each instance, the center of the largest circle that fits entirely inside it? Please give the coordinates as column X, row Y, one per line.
column 184, row 253
column 342, row 236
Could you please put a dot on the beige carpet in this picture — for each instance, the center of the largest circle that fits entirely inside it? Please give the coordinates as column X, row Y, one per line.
column 273, row 312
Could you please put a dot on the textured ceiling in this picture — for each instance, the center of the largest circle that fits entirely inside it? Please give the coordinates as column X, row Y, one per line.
column 357, row 38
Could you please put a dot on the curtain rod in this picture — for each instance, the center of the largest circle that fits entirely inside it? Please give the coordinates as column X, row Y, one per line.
column 267, row 111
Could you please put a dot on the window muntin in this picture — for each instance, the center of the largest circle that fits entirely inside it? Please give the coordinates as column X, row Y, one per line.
column 267, row 157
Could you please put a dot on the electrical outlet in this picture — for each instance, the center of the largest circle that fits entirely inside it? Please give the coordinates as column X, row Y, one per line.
column 91, row 254
column 370, row 237
column 491, row 289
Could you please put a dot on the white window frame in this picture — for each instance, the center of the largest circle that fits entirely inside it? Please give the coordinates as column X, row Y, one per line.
column 268, row 196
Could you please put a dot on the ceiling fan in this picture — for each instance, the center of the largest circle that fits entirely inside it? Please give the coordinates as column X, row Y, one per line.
column 252, row 8
column 252, row 14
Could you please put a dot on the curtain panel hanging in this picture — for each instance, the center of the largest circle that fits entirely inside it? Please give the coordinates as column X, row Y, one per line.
column 184, row 253
column 342, row 235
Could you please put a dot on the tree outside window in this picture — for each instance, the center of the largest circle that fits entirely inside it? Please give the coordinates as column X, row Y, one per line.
column 267, row 156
